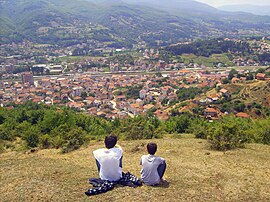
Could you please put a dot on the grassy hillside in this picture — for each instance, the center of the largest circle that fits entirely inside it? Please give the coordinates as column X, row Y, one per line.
column 257, row 91
column 194, row 172
column 207, row 61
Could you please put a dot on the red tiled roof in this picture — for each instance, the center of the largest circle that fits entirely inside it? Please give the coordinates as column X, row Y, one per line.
column 242, row 115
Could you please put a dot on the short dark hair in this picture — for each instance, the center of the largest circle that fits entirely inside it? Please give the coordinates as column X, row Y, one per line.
column 151, row 148
column 110, row 141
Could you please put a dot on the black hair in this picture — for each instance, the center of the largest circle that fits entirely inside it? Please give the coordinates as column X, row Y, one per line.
column 110, row 141
column 152, row 148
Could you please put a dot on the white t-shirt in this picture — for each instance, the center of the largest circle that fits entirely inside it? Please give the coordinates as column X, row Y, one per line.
column 109, row 160
column 149, row 173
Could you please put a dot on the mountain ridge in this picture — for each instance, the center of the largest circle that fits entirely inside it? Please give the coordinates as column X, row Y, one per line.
column 248, row 8
column 126, row 20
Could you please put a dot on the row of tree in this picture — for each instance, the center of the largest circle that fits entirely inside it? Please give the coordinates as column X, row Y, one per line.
column 212, row 46
column 51, row 127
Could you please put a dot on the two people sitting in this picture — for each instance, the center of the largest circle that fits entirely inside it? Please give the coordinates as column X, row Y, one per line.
column 109, row 163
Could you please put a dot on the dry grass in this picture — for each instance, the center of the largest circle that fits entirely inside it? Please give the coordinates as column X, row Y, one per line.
column 195, row 173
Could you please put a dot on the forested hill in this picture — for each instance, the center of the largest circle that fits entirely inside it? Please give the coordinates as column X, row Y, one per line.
column 209, row 47
column 66, row 22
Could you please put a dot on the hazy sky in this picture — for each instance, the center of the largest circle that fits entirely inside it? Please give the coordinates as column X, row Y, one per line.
column 217, row 3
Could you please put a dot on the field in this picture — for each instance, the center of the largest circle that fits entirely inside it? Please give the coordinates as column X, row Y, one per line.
column 194, row 173
column 207, row 61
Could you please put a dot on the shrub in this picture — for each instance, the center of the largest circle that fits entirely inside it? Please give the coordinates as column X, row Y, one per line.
column 31, row 136
column 74, row 140
column 6, row 134
column 266, row 136
column 199, row 128
column 261, row 131
column 45, row 141
column 227, row 135
column 2, row 147
column 178, row 124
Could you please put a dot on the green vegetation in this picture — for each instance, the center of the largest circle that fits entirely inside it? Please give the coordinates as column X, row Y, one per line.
column 50, row 127
column 117, row 24
column 133, row 92
column 228, row 134
column 207, row 48
column 188, row 93
column 231, row 132
column 123, row 59
column 211, row 61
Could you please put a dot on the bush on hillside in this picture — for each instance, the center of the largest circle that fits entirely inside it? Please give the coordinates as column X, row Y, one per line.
column 178, row 124
column 50, row 127
column 31, row 136
column 139, row 127
column 228, row 134
column 260, row 131
column 199, row 128
column 74, row 140
column 2, row 147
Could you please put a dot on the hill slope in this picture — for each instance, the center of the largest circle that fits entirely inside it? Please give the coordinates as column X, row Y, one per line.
column 71, row 20
column 74, row 21
column 194, row 172
column 256, row 10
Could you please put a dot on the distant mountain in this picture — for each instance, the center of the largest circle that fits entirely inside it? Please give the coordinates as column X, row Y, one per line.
column 256, row 10
column 178, row 7
column 122, row 22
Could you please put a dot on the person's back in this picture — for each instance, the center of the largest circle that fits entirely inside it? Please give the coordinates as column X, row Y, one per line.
column 109, row 160
column 153, row 167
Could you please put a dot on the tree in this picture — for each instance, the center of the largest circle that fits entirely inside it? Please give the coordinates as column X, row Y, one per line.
column 74, row 139
column 31, row 136
column 239, row 106
column 84, row 95
column 225, row 81
column 260, row 70
column 250, row 77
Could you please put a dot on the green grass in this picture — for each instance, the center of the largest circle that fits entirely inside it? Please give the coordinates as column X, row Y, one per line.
column 207, row 61
column 71, row 58
column 194, row 172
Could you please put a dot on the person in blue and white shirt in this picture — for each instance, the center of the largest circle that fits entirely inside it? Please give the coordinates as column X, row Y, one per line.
column 109, row 160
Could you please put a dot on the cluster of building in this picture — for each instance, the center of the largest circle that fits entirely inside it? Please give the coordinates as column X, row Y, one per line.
column 32, row 56
column 97, row 94
column 105, row 95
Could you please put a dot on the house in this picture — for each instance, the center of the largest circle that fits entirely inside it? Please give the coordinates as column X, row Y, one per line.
column 77, row 91
column 147, row 107
column 120, row 98
column 224, row 92
column 162, row 115
column 211, row 113
column 235, row 80
column 76, row 105
column 135, row 109
column 143, row 93
column 242, row 115
column 212, row 98
column 260, row 76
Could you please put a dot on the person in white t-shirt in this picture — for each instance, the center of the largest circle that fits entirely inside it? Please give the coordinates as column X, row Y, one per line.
column 153, row 167
column 109, row 160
